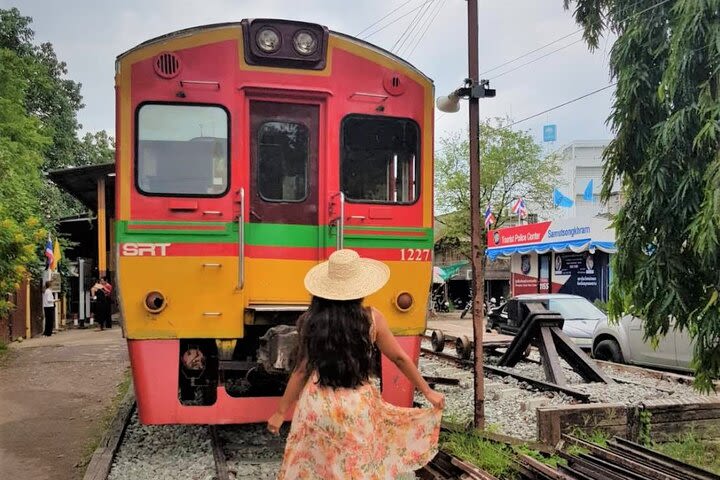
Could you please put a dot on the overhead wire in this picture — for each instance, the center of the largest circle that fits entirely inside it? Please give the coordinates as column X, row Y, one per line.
column 531, row 52
column 563, row 104
column 520, row 57
column 536, row 59
column 432, row 18
column 427, row 16
column 411, row 27
column 581, row 97
column 366, row 36
column 382, row 18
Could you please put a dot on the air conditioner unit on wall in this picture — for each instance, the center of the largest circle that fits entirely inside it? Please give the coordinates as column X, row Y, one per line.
column 468, row 274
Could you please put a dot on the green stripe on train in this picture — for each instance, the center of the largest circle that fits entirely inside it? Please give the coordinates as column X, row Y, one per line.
column 273, row 235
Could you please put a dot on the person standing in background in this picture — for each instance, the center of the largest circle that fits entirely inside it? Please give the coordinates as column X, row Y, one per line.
column 49, row 308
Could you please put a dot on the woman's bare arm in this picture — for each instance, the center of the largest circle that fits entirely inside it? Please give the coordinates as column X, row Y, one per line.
column 389, row 346
column 297, row 381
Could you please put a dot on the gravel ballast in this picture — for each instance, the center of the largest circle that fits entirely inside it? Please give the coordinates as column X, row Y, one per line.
column 510, row 404
column 184, row 452
column 180, row 452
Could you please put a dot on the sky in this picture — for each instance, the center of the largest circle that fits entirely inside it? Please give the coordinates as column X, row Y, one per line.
column 89, row 34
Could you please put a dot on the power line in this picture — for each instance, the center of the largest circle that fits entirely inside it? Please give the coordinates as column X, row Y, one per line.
column 662, row 2
column 381, row 19
column 531, row 52
column 417, row 27
column 564, row 104
column 396, row 20
column 440, row 6
column 536, row 59
column 410, row 27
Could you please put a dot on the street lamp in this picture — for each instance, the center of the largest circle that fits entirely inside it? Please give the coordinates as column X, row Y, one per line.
column 474, row 89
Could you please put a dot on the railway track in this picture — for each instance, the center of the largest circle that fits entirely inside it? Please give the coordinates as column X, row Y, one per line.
column 135, row 452
column 446, row 466
column 537, row 384
column 221, row 466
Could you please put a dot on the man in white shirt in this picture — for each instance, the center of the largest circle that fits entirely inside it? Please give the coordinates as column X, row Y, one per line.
column 49, row 307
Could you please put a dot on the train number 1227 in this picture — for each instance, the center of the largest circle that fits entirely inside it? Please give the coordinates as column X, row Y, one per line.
column 415, row 254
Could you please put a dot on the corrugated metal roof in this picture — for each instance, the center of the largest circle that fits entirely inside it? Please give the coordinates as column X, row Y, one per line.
column 81, row 183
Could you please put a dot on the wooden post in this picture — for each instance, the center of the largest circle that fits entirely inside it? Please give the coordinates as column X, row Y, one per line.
column 102, row 245
column 477, row 252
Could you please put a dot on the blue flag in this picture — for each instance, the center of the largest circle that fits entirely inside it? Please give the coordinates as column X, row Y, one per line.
column 588, row 195
column 561, row 200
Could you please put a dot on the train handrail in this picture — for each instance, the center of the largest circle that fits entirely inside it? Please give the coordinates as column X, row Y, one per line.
column 340, row 221
column 241, row 241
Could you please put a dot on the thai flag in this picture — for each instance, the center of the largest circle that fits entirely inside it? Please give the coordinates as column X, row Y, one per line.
column 519, row 208
column 49, row 255
column 489, row 217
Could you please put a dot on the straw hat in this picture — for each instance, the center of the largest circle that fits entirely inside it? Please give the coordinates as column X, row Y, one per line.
column 346, row 276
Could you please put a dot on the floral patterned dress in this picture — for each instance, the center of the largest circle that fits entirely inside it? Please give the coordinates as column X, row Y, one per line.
column 353, row 434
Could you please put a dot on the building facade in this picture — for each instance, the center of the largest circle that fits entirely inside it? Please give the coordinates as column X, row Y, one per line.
column 563, row 256
column 582, row 161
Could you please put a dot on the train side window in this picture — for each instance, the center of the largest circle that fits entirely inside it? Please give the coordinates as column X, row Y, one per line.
column 380, row 160
column 283, row 161
column 182, row 150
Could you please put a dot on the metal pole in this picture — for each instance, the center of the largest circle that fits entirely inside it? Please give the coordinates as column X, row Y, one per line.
column 477, row 252
column 81, row 291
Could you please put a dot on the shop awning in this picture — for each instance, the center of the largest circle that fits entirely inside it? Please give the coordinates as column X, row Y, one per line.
column 576, row 246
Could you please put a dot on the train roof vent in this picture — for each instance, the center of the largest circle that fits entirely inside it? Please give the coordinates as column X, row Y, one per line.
column 167, row 65
column 394, row 83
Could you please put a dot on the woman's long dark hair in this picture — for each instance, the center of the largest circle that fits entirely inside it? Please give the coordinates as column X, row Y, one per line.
column 335, row 342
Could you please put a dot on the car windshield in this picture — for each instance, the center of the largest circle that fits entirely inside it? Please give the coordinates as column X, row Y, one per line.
column 575, row 309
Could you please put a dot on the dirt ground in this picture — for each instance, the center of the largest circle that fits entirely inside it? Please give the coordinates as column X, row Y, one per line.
column 54, row 393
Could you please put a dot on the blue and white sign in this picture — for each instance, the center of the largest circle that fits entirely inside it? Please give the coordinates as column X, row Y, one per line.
column 549, row 133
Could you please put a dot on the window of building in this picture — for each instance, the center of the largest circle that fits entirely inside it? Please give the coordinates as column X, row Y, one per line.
column 380, row 159
column 182, row 150
column 283, row 161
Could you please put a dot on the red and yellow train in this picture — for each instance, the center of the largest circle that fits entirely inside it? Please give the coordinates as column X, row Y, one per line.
column 246, row 153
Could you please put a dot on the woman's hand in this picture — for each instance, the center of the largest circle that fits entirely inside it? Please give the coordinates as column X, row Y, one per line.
column 275, row 422
column 436, row 398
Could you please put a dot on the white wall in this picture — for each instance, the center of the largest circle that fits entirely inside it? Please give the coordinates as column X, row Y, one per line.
column 582, row 162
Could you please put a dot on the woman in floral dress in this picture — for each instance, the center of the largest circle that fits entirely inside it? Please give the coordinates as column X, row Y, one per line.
column 341, row 428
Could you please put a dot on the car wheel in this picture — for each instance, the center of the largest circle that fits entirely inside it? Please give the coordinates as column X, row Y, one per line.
column 608, row 350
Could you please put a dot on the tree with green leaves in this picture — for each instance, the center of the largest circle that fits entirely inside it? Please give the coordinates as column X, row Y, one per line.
column 95, row 149
column 666, row 151
column 512, row 166
column 50, row 97
column 22, row 144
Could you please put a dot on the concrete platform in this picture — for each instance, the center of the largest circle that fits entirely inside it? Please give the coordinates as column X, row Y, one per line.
column 54, row 393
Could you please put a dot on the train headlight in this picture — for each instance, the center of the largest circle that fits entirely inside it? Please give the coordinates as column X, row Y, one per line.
column 305, row 42
column 155, row 302
column 404, row 301
column 268, row 40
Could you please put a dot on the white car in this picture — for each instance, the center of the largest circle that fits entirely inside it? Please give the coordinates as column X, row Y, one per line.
column 581, row 316
column 624, row 343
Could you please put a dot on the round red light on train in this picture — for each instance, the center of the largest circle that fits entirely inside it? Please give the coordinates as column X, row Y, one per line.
column 155, row 302
column 404, row 301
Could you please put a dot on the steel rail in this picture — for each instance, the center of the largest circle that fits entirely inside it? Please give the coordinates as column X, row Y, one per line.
column 219, row 455
column 539, row 384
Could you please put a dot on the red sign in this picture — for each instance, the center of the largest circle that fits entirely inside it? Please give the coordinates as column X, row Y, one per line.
column 519, row 235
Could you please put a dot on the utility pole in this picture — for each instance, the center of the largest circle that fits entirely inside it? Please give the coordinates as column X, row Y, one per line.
column 474, row 89
column 475, row 230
